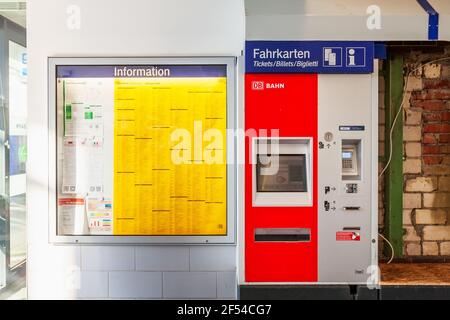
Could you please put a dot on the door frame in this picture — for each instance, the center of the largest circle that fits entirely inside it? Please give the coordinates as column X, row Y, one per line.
column 9, row 31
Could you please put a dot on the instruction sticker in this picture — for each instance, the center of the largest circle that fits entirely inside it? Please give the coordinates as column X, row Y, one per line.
column 71, row 216
column 99, row 213
column 348, row 236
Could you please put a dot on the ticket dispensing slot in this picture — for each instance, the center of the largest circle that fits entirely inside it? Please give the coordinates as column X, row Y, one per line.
column 282, row 172
column 282, row 235
column 351, row 159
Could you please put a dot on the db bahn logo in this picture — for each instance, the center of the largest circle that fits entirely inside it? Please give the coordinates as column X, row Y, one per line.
column 257, row 85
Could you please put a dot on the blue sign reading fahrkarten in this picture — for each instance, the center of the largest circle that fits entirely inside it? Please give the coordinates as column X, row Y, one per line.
column 309, row 56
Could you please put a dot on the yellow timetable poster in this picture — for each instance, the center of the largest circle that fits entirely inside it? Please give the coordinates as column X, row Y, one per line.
column 170, row 173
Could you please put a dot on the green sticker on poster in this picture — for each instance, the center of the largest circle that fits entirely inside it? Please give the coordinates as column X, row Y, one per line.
column 88, row 115
column 68, row 112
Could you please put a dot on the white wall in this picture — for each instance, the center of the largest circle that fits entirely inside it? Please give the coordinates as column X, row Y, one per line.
column 120, row 28
column 336, row 20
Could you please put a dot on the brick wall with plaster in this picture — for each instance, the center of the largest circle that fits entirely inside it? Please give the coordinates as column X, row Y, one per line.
column 426, row 166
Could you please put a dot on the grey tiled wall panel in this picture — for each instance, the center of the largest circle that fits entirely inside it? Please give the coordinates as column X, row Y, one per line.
column 213, row 258
column 124, row 284
column 93, row 284
column 162, row 258
column 107, row 258
column 226, row 285
column 190, row 285
column 158, row 272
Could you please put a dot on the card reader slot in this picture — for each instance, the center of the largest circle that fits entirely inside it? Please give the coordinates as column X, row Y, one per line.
column 351, row 208
column 282, row 235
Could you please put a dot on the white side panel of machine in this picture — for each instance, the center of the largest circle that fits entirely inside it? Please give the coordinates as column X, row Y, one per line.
column 347, row 199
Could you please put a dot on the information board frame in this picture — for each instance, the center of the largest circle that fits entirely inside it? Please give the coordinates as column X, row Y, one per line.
column 231, row 151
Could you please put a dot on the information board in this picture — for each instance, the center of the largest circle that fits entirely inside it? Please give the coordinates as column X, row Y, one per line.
column 142, row 149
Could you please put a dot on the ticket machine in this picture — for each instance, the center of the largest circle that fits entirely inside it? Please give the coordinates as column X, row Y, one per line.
column 311, row 163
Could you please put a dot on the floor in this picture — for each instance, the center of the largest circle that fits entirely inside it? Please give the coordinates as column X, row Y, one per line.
column 18, row 239
column 16, row 284
column 399, row 281
column 435, row 274
column 20, row 294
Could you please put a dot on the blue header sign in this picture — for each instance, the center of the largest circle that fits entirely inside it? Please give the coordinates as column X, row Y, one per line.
column 309, row 56
column 140, row 71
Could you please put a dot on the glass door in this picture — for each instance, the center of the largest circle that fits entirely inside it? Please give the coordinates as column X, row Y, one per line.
column 13, row 154
column 17, row 145
column 3, row 194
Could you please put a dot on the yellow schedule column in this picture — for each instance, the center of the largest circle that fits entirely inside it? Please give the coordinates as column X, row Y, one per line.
column 144, row 140
column 215, row 159
column 124, row 204
column 170, row 156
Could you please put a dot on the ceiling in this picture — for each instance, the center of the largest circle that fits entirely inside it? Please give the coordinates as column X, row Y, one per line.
column 14, row 10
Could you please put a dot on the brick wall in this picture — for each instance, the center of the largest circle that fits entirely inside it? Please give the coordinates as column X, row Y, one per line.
column 426, row 166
